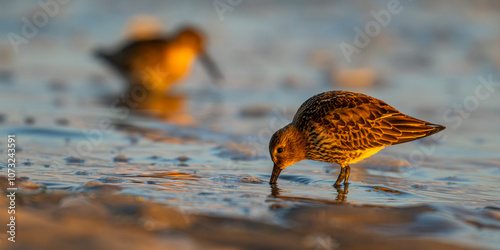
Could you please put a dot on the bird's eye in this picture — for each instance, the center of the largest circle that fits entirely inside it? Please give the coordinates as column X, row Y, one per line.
column 280, row 150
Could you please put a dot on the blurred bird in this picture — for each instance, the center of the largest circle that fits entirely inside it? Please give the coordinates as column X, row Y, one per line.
column 158, row 63
column 343, row 127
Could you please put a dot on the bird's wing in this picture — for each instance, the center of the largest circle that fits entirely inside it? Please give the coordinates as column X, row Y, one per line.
column 355, row 121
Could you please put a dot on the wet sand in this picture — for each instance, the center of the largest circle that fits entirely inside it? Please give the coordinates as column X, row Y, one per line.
column 69, row 220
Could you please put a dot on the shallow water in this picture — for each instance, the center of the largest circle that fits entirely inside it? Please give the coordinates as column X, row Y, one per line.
column 204, row 148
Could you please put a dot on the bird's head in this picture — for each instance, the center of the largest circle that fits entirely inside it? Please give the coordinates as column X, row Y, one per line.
column 192, row 38
column 195, row 40
column 287, row 146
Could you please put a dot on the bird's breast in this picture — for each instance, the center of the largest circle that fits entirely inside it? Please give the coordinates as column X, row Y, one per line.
column 361, row 154
column 340, row 156
column 178, row 60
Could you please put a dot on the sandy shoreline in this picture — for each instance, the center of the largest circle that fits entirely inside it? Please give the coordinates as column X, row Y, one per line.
column 64, row 220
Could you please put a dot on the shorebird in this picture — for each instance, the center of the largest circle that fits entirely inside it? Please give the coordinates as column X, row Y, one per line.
column 342, row 127
column 157, row 63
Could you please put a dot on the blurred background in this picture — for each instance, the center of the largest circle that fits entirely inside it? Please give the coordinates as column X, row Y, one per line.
column 87, row 123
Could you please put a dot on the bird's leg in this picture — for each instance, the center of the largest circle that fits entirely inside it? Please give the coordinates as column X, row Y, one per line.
column 347, row 173
column 341, row 176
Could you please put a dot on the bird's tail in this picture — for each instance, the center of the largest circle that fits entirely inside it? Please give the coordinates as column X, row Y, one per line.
column 412, row 128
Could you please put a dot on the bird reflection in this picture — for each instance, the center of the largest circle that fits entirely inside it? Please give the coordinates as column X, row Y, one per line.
column 154, row 64
column 342, row 193
column 276, row 192
column 171, row 108
column 168, row 107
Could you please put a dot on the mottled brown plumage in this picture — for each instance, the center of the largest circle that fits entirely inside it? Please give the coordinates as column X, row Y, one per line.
column 343, row 127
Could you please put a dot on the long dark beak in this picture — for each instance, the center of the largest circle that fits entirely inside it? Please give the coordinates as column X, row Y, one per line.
column 275, row 175
column 103, row 55
column 110, row 59
column 211, row 68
